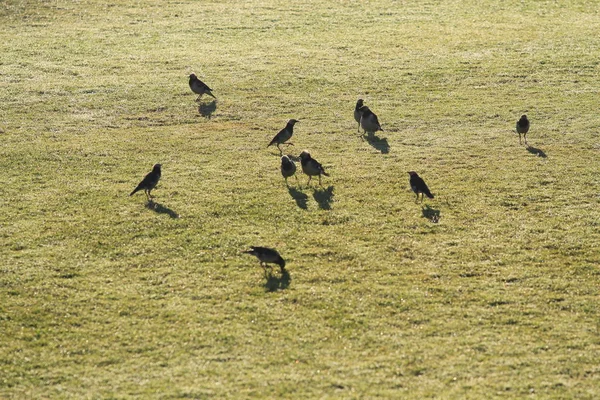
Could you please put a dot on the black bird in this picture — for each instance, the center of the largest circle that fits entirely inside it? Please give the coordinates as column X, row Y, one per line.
column 288, row 167
column 199, row 87
column 369, row 121
column 418, row 186
column 149, row 182
column 357, row 112
column 311, row 167
column 267, row 256
column 284, row 135
column 523, row 127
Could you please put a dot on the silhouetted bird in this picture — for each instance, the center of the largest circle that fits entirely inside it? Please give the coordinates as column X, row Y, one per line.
column 284, row 135
column 311, row 167
column 418, row 186
column 267, row 256
column 369, row 121
column 288, row 168
column 523, row 127
column 199, row 87
column 149, row 182
column 357, row 112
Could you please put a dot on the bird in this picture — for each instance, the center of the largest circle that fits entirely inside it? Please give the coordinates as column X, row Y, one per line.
column 149, row 182
column 267, row 256
column 357, row 112
column 523, row 127
column 284, row 135
column 311, row 167
column 200, row 87
column 417, row 184
column 369, row 121
column 288, row 167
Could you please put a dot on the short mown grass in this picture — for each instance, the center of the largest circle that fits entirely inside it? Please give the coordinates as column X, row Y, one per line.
column 104, row 297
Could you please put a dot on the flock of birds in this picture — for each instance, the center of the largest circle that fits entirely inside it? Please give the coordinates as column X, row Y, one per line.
column 366, row 119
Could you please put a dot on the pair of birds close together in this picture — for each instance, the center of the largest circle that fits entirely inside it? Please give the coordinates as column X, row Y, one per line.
column 366, row 118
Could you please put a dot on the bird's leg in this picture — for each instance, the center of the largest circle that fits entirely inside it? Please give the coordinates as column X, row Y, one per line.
column 297, row 181
column 198, row 98
column 308, row 183
column 525, row 136
column 519, row 138
column 417, row 199
column 320, row 180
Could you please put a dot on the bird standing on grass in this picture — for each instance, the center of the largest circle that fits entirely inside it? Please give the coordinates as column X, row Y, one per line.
column 357, row 112
column 284, row 135
column 149, row 182
column 311, row 167
column 199, row 87
column 267, row 256
column 369, row 121
column 523, row 127
column 288, row 167
column 417, row 184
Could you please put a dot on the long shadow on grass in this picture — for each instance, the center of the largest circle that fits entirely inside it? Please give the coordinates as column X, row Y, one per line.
column 207, row 109
column 301, row 198
column 431, row 214
column 380, row 144
column 324, row 197
column 536, row 151
column 160, row 209
column 275, row 282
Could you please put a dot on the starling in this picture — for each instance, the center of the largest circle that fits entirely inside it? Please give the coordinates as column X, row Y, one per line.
column 288, row 167
column 149, row 182
column 199, row 87
column 267, row 256
column 284, row 135
column 523, row 127
column 418, row 186
column 311, row 167
column 357, row 112
column 369, row 121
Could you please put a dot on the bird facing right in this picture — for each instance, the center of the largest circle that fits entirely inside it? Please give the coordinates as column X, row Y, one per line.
column 199, row 87
column 417, row 184
column 284, row 135
column 369, row 121
column 311, row 167
column 357, row 112
column 267, row 256
column 523, row 127
column 288, row 167
column 149, row 182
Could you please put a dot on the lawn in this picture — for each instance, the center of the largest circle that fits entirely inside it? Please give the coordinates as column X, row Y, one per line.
column 105, row 296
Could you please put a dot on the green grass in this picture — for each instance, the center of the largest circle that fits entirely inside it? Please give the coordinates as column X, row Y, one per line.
column 101, row 297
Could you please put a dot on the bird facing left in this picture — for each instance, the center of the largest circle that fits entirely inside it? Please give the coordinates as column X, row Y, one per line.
column 149, row 182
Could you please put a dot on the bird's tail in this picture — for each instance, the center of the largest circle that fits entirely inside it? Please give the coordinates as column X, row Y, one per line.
column 324, row 173
column 211, row 95
column 428, row 194
column 137, row 189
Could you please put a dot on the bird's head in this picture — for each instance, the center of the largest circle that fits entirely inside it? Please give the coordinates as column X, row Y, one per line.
column 292, row 122
column 412, row 173
column 523, row 117
column 305, row 154
column 157, row 167
column 364, row 109
column 285, row 159
column 359, row 103
column 193, row 76
column 281, row 263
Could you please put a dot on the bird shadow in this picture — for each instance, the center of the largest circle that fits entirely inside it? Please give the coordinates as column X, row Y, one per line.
column 379, row 144
column 536, row 151
column 431, row 214
column 274, row 283
column 324, row 197
column 207, row 109
column 160, row 209
column 300, row 197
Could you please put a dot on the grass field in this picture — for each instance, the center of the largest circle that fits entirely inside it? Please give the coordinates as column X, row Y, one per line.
column 103, row 297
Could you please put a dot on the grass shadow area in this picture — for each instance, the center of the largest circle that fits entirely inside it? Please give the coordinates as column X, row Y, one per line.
column 431, row 214
column 536, row 151
column 379, row 144
column 160, row 209
column 207, row 109
column 275, row 283
column 324, row 197
column 300, row 197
